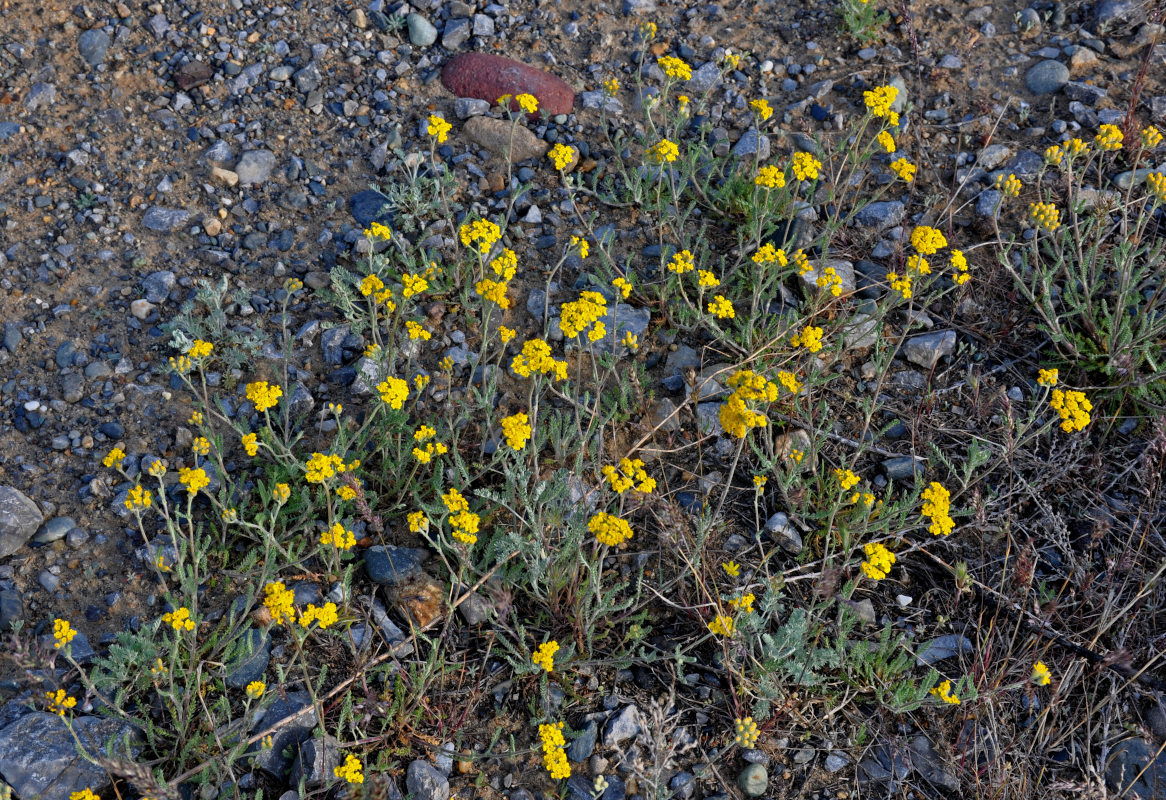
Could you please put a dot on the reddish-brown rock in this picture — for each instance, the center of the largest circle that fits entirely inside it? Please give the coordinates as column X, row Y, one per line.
column 192, row 74
column 488, row 77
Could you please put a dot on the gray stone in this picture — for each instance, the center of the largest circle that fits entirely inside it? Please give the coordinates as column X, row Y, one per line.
column 927, row 349
column 315, row 761
column 165, row 220
column 1046, row 77
column 1128, row 760
column 255, row 166
column 843, row 269
column 622, row 319
column 622, row 727
column 988, row 202
column 424, row 782
column 39, row 758
column 54, row 529
column 942, row 647
column 781, row 531
column 72, row 388
column 308, row 78
column 276, row 760
column 993, row 156
column 683, row 785
column 218, row 154
column 48, row 581
column 1084, row 93
column 1110, row 13
column 583, row 745
column 466, row 107
column 601, row 101
column 881, row 215
column 639, row 6
column 41, row 95
column 457, row 32
column 280, row 74
column 860, row 332
column 930, row 765
column 422, row 33
column 885, row 765
column 390, row 565
column 753, row 780
column 502, row 138
column 836, row 761
column 901, row 98
column 93, row 45
column 19, row 519
column 370, row 206
column 703, row 79
column 252, row 662
column 950, row 62
column 483, row 25
column 158, row 25
column 475, row 609
column 11, row 608
column 752, row 145
column 903, row 468
column 157, row 285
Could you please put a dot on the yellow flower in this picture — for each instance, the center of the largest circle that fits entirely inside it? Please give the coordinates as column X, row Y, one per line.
column 527, row 102
column 943, row 692
column 413, row 285
column 768, row 254
column 545, row 655
column 629, row 474
column 1109, row 138
column 1157, row 183
column 494, row 291
column 682, row 101
column 351, row 770
column 846, row 478
column 796, row 456
column 928, row 241
column 138, row 498
column 937, row 507
column 1040, row 674
column 625, row 288
column 506, row 334
column 516, row 429
column 904, row 169
column 771, row 177
column 1045, row 215
column 731, row 568
column 879, row 561
column 84, row 794
column 682, row 262
column 60, row 702
column 879, row 100
column 960, row 264
column 721, row 308
column 281, row 493
column 1074, row 409
column 1151, row 137
column 115, row 457
column 1047, row 377
column 554, row 757
column 195, row 418
column 805, row 166
column 675, row 68
column 611, row 86
column 200, row 349
column 536, row 357
column 663, row 152
column 809, row 337
column 761, row 108
column 887, row 141
column 279, row 600
column 181, row 364
column 504, row 100
column 345, row 492
column 179, row 619
column 293, row 285
column 561, row 155
column 417, row 331
column 324, row 616
column 759, row 482
column 438, row 128
column 747, row 732
column 790, row 382
column 157, row 468
column 609, row 530
column 418, row 522
column 393, row 392
column 193, row 479
column 578, row 315
column 1053, row 155
column 732, row 60
column 255, row 689
column 338, row 537
column 263, row 395
column 1008, row 186
column 251, row 444
column 230, row 515
column 744, row 603
column 707, row 280
column 371, row 284
column 721, row 625
column 900, row 284
column 63, row 633
column 647, row 30
column 481, row 233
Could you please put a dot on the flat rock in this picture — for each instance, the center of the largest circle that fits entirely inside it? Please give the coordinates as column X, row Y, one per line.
column 844, row 270
column 488, row 77
column 495, row 135
column 93, row 45
column 252, row 662
column 424, row 782
column 39, row 758
column 390, row 565
column 19, row 519
column 192, row 74
column 1046, row 77
column 927, row 349
column 1136, row 769
column 275, row 760
column 165, row 220
column 255, row 166
column 422, row 33
column 942, row 647
column 881, row 215
column 315, row 761
column 622, row 727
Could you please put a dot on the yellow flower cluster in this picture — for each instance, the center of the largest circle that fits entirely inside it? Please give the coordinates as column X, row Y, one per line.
column 345, row 492
column 394, row 392
column 324, row 616
column 1053, row 155
column 629, row 474
column 1151, row 137
column 810, row 337
column 937, row 508
column 193, row 479
column 281, row 493
column 431, row 450
column 1008, row 186
column 413, row 285
column 554, row 756
column 887, row 141
column 438, row 128
column 744, row 603
column 1047, row 377
column 561, row 155
column 255, row 689
column 200, row 349
column 1157, row 183
column 516, row 430
column 805, row 167
column 1040, row 674
column 1109, row 138
column 319, row 467
column 263, row 395
column 747, row 732
column 721, row 625
column 707, row 280
column 544, row 656
column 770, row 176
column 250, row 444
column 1074, row 408
column 418, row 522
column 944, row 693
column 624, row 286
column 338, row 537
column 63, row 633
column 59, row 702
column 791, row 383
column 279, row 600
column 801, row 262
column 759, row 482
column 138, row 498
column 731, row 568
column 609, row 530
column 927, row 240
column 880, row 100
column 536, row 357
column 682, row 262
column 675, row 68
column 481, row 233
column 84, row 794
column 463, row 521
column 201, row 446
column 527, row 102
column 959, row 263
column 878, row 563
column 179, row 619
column 664, row 152
column 721, row 308
column 846, row 478
column 768, row 254
column 735, row 416
column 417, row 331
column 830, row 277
column 351, row 770
column 583, row 313
column 1045, row 215
column 761, row 108
column 181, row 364
column 611, row 86
column 900, row 284
column 904, row 169
column 115, row 456
column 582, row 245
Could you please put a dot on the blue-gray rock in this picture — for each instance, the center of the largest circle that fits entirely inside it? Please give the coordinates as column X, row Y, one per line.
column 93, row 44
column 639, row 6
column 218, row 154
column 332, row 345
column 368, row 207
column 466, row 107
column 1046, row 77
column 988, row 202
column 255, row 166
column 424, row 782
column 54, row 529
column 19, row 519
column 1085, row 93
column 881, row 215
column 1136, row 769
column 901, row 98
column 315, row 761
column 1109, row 13
column 157, row 285
column 11, row 608
column 703, row 79
column 930, row 765
column 251, row 663
column 781, row 531
column 835, row 762
column 993, row 156
column 926, row 349
column 752, row 145
column 165, row 220
column 942, row 647
column 41, row 95
column 622, row 319
column 622, row 727
column 950, row 62
column 39, row 758
column 422, row 33
column 753, row 780
column 683, row 785
column 308, row 78
column 601, row 101
column 65, row 354
column 280, row 74
column 286, row 738
column 301, row 402
column 483, row 25
column 8, row 130
column 885, row 765
column 158, row 25
column 389, row 565
column 457, row 32
column 903, row 468
column 583, row 745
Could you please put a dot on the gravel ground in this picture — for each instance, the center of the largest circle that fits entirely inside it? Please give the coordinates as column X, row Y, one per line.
column 145, row 146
